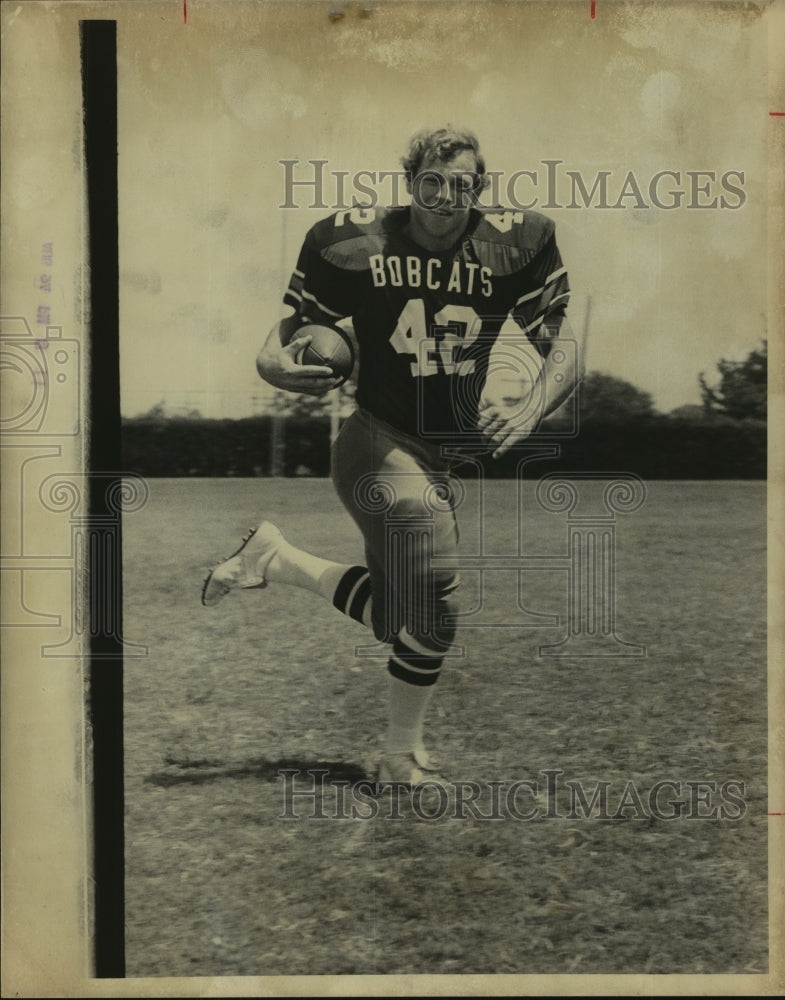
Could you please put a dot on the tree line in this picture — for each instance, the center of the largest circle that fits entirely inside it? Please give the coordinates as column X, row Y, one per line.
column 618, row 429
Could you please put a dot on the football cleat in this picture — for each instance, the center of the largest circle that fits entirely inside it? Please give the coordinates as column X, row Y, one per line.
column 409, row 768
column 245, row 568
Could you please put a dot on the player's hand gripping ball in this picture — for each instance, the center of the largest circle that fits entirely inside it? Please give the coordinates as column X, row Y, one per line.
column 329, row 346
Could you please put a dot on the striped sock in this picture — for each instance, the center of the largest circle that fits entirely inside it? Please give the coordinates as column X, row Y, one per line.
column 406, row 709
column 352, row 595
column 414, row 663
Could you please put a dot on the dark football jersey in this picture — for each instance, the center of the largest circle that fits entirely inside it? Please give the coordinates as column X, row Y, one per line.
column 425, row 321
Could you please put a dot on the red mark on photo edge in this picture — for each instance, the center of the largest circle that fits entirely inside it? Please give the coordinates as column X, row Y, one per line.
column 777, row 114
column 593, row 10
column 185, row 11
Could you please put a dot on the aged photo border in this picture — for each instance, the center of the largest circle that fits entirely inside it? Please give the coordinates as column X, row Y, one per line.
column 51, row 857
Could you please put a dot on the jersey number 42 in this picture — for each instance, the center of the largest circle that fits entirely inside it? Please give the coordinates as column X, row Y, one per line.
column 437, row 348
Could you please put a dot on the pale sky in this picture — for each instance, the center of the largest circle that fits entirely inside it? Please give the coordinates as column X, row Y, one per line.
column 208, row 108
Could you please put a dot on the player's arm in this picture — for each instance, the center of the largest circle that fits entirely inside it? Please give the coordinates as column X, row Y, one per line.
column 508, row 421
column 319, row 292
column 561, row 371
column 276, row 361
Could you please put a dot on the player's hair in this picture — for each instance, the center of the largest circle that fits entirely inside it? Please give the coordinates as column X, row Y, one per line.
column 442, row 144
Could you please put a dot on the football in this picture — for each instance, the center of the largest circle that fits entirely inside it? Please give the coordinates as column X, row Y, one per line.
column 329, row 346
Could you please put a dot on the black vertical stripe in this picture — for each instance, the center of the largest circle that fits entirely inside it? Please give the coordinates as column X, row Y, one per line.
column 99, row 104
column 344, row 588
column 359, row 601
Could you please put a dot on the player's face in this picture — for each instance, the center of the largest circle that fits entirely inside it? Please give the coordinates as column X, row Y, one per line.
column 442, row 194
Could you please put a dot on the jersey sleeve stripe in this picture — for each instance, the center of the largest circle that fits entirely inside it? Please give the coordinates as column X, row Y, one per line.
column 538, row 291
column 530, row 295
column 556, row 274
column 564, row 297
column 530, row 327
column 323, row 308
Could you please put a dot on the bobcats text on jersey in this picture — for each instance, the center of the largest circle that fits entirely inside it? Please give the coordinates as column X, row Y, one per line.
column 431, row 273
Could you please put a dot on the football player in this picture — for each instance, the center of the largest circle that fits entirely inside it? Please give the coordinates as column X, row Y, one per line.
column 428, row 289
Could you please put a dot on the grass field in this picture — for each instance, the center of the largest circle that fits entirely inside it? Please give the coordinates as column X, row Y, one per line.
column 219, row 884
